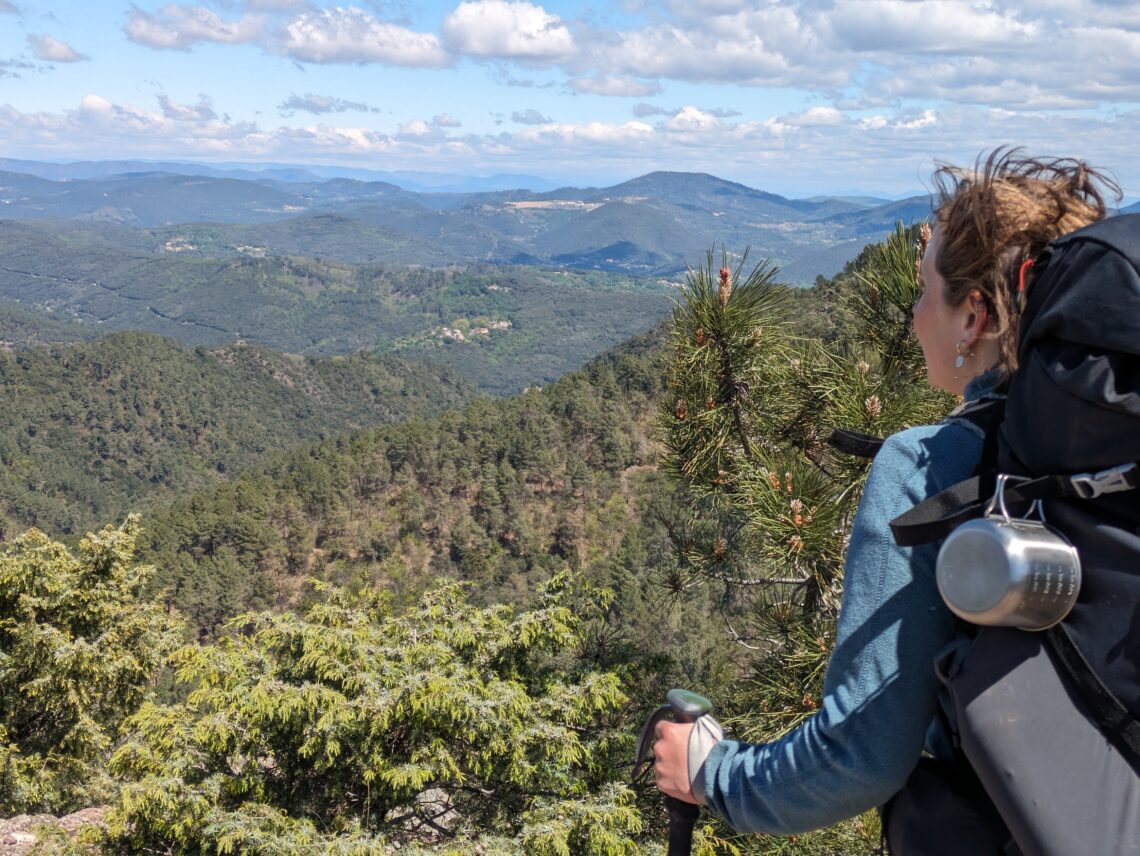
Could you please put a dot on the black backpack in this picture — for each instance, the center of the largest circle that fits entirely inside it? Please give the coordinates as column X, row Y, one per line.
column 1049, row 722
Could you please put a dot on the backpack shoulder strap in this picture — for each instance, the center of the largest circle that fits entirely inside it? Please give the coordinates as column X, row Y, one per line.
column 936, row 517
column 855, row 443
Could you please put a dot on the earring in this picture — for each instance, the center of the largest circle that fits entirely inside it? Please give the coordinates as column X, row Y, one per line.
column 961, row 359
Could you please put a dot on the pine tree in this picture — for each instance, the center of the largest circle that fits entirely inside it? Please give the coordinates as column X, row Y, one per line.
column 745, row 421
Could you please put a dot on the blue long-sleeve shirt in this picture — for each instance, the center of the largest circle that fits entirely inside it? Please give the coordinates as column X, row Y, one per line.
column 880, row 690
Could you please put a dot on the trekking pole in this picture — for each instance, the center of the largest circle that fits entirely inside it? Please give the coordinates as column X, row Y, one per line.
column 680, row 706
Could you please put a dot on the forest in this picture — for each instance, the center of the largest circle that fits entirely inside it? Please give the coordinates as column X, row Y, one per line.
column 437, row 630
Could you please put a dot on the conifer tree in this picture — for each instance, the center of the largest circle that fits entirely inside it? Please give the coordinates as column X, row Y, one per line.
column 445, row 728
column 79, row 648
column 745, row 422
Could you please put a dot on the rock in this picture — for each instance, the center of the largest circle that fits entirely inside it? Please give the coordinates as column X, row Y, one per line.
column 18, row 834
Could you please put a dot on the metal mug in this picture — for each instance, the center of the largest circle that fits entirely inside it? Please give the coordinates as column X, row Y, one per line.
column 1008, row 572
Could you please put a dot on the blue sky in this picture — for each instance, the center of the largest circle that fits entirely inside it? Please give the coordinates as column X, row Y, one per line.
column 792, row 97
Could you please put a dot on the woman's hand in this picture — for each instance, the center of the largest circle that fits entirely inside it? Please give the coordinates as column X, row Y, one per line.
column 671, row 767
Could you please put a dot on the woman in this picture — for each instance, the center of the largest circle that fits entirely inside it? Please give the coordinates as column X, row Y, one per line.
column 880, row 696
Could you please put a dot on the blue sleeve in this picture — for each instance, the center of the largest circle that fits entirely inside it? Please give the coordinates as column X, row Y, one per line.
column 880, row 690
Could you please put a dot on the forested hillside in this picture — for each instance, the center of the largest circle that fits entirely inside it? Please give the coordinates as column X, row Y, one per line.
column 89, row 432
column 505, row 328
column 499, row 493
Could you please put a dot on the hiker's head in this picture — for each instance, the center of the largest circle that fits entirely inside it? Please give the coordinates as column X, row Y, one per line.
column 988, row 221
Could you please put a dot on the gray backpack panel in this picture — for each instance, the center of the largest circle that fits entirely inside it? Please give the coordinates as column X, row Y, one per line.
column 1060, row 786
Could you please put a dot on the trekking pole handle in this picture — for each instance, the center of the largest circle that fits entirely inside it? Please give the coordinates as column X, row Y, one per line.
column 680, row 706
column 687, row 706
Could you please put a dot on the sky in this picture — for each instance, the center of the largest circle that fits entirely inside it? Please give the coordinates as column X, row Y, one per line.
column 799, row 98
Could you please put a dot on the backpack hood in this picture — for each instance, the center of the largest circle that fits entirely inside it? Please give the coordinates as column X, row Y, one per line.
column 1074, row 403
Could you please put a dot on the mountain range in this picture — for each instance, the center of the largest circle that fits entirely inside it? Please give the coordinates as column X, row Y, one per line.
column 654, row 225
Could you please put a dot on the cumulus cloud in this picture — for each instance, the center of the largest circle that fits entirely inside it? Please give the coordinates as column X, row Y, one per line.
column 312, row 103
column 181, row 27
column 744, row 50
column 351, row 35
column 53, row 50
column 333, row 35
column 443, row 120
column 942, row 26
column 871, row 52
column 692, row 119
column 588, row 136
column 644, row 111
column 924, row 120
column 504, row 29
column 880, row 51
column 816, row 116
column 530, row 117
column 417, row 128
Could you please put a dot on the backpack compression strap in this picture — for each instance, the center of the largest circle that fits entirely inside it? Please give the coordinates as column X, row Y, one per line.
column 936, row 517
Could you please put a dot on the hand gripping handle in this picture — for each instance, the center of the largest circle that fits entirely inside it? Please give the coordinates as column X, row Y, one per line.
column 680, row 706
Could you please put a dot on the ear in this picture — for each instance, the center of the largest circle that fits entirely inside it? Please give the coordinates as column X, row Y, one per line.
column 976, row 319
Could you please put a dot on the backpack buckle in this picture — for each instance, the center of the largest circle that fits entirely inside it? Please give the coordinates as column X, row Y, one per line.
column 1113, row 480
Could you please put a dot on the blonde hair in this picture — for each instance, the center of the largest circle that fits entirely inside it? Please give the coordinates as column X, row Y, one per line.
column 1002, row 213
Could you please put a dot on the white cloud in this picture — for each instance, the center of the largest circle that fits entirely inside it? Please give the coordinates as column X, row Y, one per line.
column 332, row 35
column 1027, row 57
column 515, row 30
column 588, row 136
column 444, row 120
column 53, row 50
column 815, row 116
column 681, row 53
column 203, row 111
column 928, row 118
column 692, row 119
column 617, row 85
column 415, row 128
column 312, row 103
column 351, row 35
column 926, row 26
column 180, row 27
